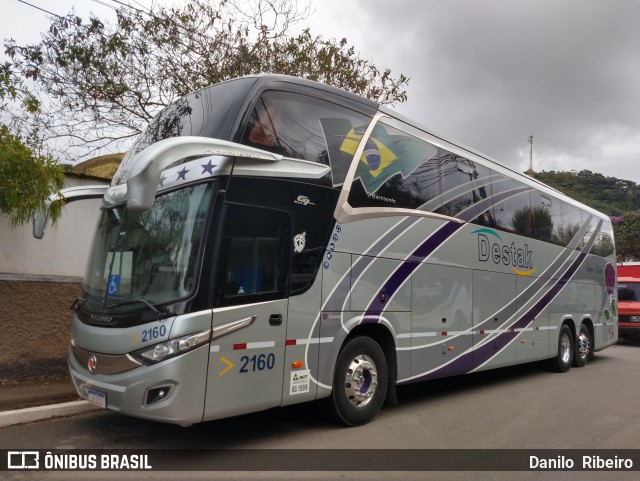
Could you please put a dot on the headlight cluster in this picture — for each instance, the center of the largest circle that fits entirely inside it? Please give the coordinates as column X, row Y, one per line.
column 174, row 347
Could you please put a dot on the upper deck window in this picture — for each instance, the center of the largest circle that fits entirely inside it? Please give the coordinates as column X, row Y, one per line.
column 304, row 127
column 209, row 112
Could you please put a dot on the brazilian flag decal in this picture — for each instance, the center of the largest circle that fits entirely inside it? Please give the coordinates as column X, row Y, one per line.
column 376, row 164
column 376, row 156
column 385, row 155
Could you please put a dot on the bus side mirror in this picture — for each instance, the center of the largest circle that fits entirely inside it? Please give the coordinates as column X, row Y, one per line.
column 70, row 194
column 40, row 223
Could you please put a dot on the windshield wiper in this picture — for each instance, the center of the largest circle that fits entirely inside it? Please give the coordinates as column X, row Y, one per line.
column 78, row 303
column 161, row 312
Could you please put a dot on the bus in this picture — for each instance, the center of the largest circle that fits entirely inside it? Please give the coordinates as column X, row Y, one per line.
column 271, row 240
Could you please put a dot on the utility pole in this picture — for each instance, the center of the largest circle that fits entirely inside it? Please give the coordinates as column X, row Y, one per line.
column 530, row 140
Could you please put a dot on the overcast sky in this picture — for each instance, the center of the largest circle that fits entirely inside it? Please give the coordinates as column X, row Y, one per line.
column 486, row 73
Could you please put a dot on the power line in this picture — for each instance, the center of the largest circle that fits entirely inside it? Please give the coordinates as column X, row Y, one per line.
column 40, row 8
column 143, row 11
column 99, row 2
column 104, row 4
column 149, row 13
column 128, row 5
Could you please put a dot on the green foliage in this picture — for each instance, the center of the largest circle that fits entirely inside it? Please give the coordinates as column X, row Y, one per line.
column 103, row 83
column 609, row 195
column 26, row 180
column 12, row 88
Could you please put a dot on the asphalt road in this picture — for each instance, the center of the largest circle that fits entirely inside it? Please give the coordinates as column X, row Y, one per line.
column 524, row 407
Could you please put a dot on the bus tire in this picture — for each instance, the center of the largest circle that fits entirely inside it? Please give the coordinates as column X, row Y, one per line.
column 584, row 347
column 359, row 381
column 563, row 360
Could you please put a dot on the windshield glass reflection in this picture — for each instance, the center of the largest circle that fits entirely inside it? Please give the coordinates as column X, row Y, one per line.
column 150, row 256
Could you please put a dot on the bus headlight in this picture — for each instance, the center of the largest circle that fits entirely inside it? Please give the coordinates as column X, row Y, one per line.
column 173, row 347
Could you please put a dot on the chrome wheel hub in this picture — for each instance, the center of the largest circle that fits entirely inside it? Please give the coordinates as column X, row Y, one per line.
column 361, row 381
column 565, row 349
column 584, row 345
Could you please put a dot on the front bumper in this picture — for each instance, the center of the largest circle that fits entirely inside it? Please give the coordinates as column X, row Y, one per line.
column 128, row 392
column 629, row 329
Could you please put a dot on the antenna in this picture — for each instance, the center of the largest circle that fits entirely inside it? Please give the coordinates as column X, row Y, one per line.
column 530, row 141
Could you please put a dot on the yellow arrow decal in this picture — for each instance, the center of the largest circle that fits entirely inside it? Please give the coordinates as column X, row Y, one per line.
column 136, row 339
column 226, row 369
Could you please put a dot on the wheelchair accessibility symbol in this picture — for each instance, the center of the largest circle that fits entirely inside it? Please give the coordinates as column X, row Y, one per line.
column 114, row 285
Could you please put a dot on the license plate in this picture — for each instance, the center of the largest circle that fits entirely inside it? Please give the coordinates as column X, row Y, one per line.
column 98, row 398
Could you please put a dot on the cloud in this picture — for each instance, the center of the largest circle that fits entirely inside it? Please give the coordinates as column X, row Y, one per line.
column 488, row 73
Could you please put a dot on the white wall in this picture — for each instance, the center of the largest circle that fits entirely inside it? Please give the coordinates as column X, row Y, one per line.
column 63, row 250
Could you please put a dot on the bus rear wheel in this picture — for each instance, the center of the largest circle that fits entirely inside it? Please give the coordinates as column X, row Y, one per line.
column 359, row 381
column 563, row 360
column 584, row 347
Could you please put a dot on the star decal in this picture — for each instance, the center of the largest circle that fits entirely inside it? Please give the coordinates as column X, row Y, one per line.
column 182, row 174
column 162, row 179
column 208, row 167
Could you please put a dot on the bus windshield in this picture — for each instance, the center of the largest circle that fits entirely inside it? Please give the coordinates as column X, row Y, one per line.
column 629, row 291
column 147, row 258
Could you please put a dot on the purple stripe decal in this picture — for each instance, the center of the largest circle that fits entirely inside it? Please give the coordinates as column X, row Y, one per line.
column 394, row 282
column 466, row 362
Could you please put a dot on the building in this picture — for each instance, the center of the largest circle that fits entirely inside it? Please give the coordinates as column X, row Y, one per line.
column 40, row 279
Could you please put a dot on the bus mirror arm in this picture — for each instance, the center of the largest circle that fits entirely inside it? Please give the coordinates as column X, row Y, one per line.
column 142, row 181
column 70, row 194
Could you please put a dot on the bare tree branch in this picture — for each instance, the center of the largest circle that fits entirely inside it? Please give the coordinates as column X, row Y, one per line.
column 98, row 85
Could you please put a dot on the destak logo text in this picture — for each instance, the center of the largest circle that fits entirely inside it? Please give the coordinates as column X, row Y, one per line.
column 492, row 248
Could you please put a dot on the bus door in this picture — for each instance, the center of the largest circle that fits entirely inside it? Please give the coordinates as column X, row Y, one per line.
column 246, row 356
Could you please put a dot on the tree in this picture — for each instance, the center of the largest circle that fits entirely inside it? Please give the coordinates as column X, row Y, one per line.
column 607, row 194
column 626, row 230
column 26, row 179
column 12, row 88
column 100, row 84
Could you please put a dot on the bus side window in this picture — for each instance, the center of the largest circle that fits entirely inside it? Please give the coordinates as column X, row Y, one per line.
column 303, row 127
column 254, row 256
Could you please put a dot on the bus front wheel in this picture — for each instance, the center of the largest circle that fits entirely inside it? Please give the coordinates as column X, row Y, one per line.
column 563, row 360
column 359, row 381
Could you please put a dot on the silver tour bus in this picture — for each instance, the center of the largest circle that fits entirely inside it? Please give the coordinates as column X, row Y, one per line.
column 270, row 240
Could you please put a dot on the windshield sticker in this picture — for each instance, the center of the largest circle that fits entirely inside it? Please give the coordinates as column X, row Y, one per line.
column 114, row 285
column 299, row 241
